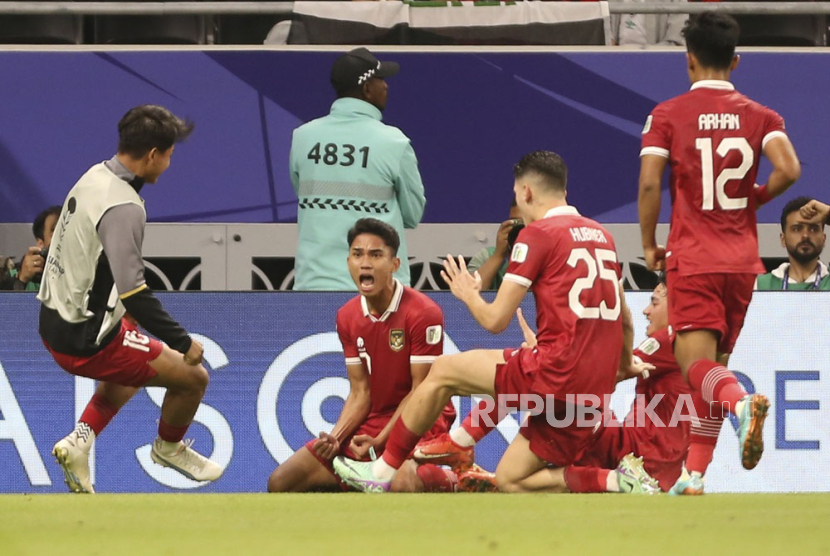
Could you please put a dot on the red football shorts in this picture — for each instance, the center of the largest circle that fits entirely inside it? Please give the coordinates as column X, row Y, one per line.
column 125, row 360
column 710, row 302
column 372, row 426
column 559, row 445
column 614, row 443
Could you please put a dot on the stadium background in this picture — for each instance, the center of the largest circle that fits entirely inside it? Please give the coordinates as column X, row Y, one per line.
column 590, row 106
column 278, row 376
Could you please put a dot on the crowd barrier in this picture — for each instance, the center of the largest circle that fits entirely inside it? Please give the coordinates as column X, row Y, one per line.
column 278, row 378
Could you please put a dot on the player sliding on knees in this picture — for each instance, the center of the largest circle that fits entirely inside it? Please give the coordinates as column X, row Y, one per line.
column 571, row 263
column 657, row 429
column 94, row 276
column 712, row 139
column 391, row 334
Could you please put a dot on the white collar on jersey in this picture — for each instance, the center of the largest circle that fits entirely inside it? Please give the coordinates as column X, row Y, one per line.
column 713, row 84
column 564, row 210
column 394, row 305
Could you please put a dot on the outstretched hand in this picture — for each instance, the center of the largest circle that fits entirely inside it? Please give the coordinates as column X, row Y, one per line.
column 463, row 285
column 636, row 368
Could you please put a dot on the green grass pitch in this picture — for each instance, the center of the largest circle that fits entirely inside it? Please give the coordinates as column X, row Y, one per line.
column 423, row 524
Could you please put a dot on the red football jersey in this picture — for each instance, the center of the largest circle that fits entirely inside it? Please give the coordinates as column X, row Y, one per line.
column 410, row 331
column 661, row 444
column 713, row 137
column 570, row 264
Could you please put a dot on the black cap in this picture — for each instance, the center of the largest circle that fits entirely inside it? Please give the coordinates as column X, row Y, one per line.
column 357, row 66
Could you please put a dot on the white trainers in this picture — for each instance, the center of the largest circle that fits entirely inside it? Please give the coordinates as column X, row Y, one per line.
column 75, row 463
column 186, row 461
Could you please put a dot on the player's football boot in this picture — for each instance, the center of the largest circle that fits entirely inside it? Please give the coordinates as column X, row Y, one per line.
column 477, row 479
column 186, row 461
column 751, row 427
column 441, row 450
column 75, row 463
column 688, row 484
column 358, row 475
column 633, row 478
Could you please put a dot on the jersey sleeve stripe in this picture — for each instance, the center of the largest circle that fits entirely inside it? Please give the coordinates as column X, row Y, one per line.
column 133, row 292
column 353, row 361
column 658, row 151
column 422, row 358
column 770, row 136
column 521, row 280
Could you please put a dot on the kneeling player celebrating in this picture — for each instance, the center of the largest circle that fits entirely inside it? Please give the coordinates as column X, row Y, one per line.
column 558, row 251
column 657, row 429
column 391, row 334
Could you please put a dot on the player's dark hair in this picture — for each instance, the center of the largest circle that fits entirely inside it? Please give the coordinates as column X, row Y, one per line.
column 39, row 225
column 661, row 279
column 712, row 38
column 148, row 127
column 546, row 164
column 377, row 228
column 793, row 206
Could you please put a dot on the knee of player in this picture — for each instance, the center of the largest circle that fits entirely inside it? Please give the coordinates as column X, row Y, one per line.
column 506, row 483
column 442, row 371
column 199, row 378
column 275, row 484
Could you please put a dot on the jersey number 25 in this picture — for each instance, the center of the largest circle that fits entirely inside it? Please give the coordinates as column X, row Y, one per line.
column 596, row 266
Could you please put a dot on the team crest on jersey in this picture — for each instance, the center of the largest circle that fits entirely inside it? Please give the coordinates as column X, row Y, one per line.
column 649, row 346
column 434, row 334
column 647, row 127
column 396, row 339
column 519, row 253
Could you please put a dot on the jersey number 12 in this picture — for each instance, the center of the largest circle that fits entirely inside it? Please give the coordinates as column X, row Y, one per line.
column 711, row 185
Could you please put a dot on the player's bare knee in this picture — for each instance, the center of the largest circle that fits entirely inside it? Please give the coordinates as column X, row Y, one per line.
column 507, row 484
column 199, row 379
column 276, row 482
column 443, row 372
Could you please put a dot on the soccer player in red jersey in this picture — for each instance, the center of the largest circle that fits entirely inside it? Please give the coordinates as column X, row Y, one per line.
column 657, row 428
column 712, row 138
column 571, row 263
column 391, row 334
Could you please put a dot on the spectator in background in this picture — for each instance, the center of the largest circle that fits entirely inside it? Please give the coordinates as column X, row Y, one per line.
column 648, row 29
column 802, row 235
column 491, row 262
column 349, row 165
column 26, row 275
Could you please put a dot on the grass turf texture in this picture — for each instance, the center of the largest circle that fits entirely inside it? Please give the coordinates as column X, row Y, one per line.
column 423, row 524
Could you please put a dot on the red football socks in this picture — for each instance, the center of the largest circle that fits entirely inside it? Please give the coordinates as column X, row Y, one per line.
column 437, row 479
column 716, row 384
column 586, row 479
column 170, row 433
column 400, row 444
column 98, row 413
column 704, row 434
column 483, row 419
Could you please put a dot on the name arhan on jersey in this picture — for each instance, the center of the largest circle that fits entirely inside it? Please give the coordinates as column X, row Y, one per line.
column 711, row 122
column 585, row 233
